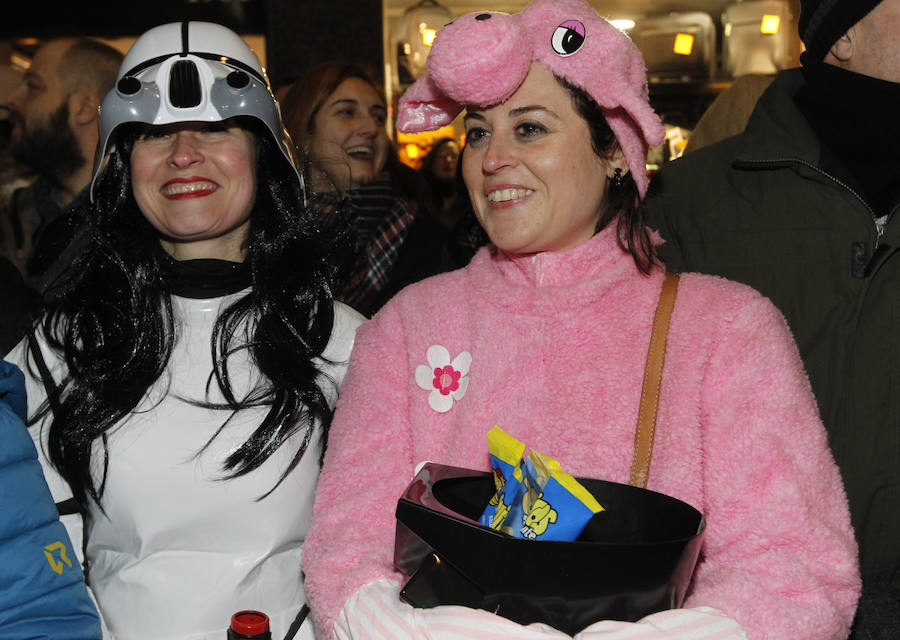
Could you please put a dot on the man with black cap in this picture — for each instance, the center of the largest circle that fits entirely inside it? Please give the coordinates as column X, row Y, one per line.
column 803, row 207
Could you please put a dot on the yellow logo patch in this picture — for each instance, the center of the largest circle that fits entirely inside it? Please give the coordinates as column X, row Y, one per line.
column 57, row 565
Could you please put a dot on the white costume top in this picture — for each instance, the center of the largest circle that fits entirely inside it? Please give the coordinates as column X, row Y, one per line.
column 180, row 549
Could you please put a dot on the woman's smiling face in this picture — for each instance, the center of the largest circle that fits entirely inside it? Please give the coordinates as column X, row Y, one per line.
column 195, row 182
column 531, row 172
column 349, row 126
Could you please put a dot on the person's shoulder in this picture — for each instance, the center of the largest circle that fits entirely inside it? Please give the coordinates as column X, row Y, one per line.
column 441, row 284
column 713, row 286
column 344, row 327
column 695, row 177
column 346, row 321
column 39, row 184
column 712, row 294
column 17, row 444
column 431, row 297
column 18, row 456
column 347, row 315
column 718, row 154
column 12, row 385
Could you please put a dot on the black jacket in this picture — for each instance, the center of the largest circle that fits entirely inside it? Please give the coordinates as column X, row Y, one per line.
column 757, row 208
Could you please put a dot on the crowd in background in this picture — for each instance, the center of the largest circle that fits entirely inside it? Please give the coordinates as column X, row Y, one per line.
column 185, row 285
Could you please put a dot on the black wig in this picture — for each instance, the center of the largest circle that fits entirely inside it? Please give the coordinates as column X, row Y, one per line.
column 109, row 317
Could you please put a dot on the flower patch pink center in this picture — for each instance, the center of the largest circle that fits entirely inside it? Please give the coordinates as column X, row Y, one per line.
column 446, row 379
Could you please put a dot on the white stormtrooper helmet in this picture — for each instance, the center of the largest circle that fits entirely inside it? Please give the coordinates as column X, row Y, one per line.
column 189, row 72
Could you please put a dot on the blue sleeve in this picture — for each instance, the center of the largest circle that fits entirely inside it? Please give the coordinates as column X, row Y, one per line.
column 44, row 595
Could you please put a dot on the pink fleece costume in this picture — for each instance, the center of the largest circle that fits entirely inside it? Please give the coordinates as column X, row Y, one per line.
column 552, row 348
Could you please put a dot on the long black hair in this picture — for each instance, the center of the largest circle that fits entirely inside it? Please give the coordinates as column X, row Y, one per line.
column 623, row 203
column 110, row 318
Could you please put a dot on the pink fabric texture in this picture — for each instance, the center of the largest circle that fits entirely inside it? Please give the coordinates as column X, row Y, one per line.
column 552, row 348
column 482, row 58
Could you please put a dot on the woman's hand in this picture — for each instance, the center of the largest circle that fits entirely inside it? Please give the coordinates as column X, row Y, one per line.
column 676, row 624
column 375, row 612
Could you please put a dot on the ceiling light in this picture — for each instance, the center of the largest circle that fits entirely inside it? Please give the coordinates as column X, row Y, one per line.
column 769, row 24
column 684, row 44
column 428, row 36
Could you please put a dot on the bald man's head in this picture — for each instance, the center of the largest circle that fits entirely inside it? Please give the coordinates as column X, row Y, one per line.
column 88, row 64
column 53, row 110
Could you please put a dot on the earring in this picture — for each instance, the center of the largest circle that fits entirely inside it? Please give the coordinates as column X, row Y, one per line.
column 617, row 179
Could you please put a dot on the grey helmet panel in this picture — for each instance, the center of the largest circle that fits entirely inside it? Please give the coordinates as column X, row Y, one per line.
column 189, row 72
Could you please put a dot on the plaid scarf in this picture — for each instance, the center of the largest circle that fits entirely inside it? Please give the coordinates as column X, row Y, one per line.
column 378, row 217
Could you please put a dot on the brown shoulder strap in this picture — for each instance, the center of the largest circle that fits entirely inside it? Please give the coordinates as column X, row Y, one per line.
column 656, row 356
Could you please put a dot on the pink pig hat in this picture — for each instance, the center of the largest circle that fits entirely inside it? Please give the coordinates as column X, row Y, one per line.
column 483, row 57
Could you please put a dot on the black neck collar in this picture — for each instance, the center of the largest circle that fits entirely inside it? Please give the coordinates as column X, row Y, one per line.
column 205, row 278
column 855, row 117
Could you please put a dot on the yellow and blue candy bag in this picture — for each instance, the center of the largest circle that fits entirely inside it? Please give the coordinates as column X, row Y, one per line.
column 504, row 511
column 555, row 505
column 536, row 470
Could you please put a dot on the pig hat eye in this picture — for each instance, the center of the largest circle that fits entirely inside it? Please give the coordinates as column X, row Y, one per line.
column 568, row 38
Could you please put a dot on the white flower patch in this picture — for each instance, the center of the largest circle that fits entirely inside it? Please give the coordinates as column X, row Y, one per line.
column 447, row 380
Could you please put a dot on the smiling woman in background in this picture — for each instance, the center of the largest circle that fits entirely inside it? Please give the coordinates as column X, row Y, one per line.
column 336, row 117
column 184, row 370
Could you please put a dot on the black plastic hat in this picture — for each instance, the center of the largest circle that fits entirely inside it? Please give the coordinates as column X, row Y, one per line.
column 824, row 22
column 634, row 558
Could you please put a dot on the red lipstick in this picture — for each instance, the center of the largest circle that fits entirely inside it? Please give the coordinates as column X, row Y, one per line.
column 188, row 187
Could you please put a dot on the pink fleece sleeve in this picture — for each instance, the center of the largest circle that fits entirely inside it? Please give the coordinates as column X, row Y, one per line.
column 368, row 464
column 779, row 553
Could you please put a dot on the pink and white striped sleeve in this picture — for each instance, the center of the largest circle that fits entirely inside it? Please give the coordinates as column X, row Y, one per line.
column 699, row 623
column 375, row 612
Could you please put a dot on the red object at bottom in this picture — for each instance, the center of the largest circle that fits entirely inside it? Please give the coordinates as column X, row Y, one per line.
column 249, row 625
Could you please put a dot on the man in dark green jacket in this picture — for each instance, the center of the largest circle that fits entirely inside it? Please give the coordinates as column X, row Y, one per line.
column 801, row 206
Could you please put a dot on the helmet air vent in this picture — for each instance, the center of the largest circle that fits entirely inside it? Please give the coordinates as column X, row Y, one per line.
column 237, row 80
column 184, row 85
column 128, row 86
